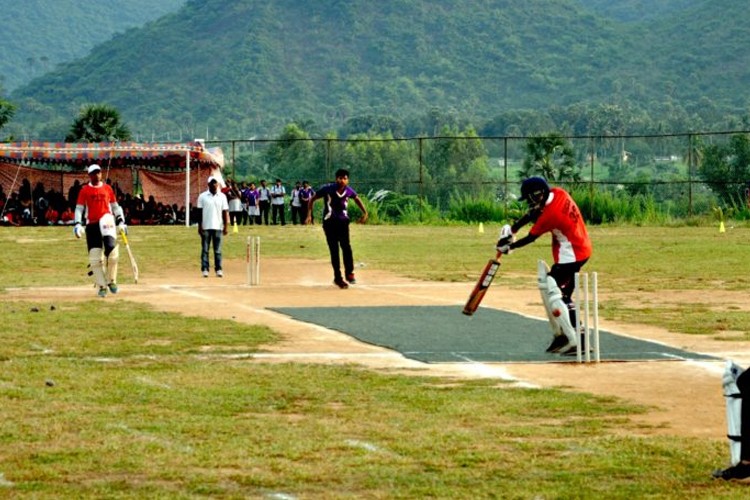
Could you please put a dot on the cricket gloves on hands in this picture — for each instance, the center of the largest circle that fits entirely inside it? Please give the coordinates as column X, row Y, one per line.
column 506, row 238
column 78, row 230
column 504, row 249
column 121, row 226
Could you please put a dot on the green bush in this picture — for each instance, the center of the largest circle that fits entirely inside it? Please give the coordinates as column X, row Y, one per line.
column 472, row 209
column 620, row 207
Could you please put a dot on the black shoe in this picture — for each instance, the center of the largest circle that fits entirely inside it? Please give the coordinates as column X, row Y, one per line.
column 558, row 342
column 339, row 282
column 739, row 471
column 571, row 351
column 351, row 279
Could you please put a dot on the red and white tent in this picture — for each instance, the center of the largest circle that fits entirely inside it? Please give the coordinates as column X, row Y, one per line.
column 160, row 169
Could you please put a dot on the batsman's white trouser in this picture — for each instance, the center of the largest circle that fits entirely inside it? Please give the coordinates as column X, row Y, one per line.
column 734, row 410
column 556, row 308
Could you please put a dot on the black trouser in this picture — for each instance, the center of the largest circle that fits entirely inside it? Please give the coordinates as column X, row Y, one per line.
column 337, row 235
column 94, row 239
column 297, row 215
column 235, row 218
column 278, row 211
column 743, row 384
column 564, row 275
column 264, row 206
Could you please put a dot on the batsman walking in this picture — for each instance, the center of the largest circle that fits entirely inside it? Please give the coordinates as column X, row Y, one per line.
column 552, row 210
column 104, row 218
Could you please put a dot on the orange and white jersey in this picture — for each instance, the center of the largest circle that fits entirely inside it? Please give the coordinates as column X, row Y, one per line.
column 562, row 217
column 96, row 200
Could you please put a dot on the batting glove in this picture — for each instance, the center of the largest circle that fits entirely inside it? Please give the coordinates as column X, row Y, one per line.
column 504, row 249
column 78, row 230
column 121, row 224
column 506, row 232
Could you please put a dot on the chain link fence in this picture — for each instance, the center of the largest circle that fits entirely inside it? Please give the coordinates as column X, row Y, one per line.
column 436, row 176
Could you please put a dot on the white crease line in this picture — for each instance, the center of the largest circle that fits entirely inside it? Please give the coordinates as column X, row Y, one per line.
column 415, row 295
column 487, row 371
column 297, row 355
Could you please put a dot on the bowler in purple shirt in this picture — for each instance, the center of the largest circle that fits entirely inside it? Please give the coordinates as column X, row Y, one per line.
column 336, row 221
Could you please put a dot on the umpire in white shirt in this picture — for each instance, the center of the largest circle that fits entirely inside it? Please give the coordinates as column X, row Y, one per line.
column 213, row 222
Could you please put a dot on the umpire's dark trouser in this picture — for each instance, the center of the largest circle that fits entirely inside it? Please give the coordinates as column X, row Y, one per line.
column 743, row 383
column 337, row 235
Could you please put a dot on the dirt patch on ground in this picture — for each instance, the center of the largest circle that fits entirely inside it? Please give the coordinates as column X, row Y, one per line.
column 683, row 398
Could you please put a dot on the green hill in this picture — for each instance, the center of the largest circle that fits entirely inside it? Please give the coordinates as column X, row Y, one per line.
column 237, row 68
column 39, row 34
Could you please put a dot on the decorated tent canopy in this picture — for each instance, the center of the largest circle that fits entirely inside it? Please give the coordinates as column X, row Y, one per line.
column 172, row 172
column 113, row 154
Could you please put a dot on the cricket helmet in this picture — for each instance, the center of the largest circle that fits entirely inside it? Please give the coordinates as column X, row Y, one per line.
column 535, row 191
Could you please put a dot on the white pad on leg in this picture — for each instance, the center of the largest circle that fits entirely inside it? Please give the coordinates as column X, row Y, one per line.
column 541, row 281
column 734, row 410
column 559, row 311
column 96, row 259
column 112, row 260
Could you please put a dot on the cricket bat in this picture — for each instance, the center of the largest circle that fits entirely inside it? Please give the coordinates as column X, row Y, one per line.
column 485, row 279
column 130, row 254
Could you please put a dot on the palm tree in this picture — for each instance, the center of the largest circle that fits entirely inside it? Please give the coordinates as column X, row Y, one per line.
column 550, row 156
column 98, row 123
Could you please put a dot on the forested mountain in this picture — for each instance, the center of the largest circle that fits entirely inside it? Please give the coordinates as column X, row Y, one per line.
column 38, row 34
column 639, row 10
column 237, row 68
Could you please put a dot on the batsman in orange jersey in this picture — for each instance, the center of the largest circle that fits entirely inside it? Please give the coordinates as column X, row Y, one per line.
column 97, row 202
column 552, row 210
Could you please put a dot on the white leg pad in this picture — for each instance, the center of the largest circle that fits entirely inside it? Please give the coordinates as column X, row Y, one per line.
column 96, row 259
column 734, row 410
column 112, row 261
column 559, row 311
column 541, row 281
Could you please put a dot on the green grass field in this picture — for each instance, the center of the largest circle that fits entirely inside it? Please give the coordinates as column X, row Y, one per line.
column 127, row 405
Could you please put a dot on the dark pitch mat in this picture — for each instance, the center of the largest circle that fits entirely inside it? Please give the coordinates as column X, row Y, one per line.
column 442, row 334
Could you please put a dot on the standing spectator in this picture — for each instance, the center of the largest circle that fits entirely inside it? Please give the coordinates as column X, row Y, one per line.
column 97, row 201
column 296, row 204
column 278, row 192
column 213, row 222
column 234, row 198
column 243, row 215
column 336, row 224
column 180, row 213
column 264, row 201
column 73, row 193
column 305, row 196
column 253, row 211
